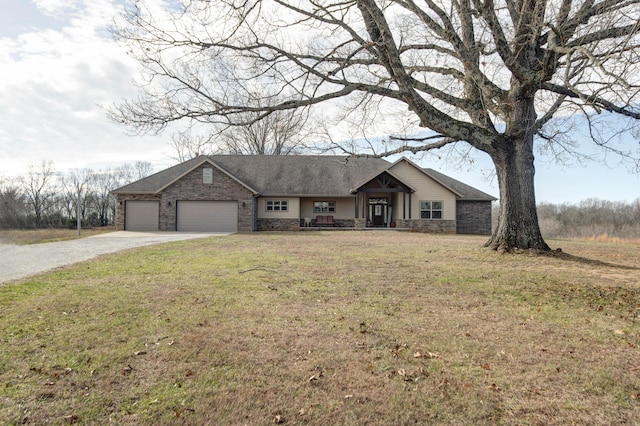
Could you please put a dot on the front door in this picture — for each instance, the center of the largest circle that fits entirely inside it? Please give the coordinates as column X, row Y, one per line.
column 378, row 211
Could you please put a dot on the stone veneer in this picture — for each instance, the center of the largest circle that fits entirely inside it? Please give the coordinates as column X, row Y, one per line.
column 428, row 225
column 271, row 224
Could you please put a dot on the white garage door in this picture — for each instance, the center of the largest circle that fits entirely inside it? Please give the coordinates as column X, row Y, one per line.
column 141, row 216
column 207, row 216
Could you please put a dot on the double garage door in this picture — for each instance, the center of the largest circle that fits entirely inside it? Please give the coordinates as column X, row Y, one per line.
column 191, row 216
column 207, row 216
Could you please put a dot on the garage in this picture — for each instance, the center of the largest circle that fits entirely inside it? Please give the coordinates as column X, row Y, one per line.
column 141, row 216
column 207, row 216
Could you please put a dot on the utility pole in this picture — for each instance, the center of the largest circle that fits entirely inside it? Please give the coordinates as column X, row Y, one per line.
column 78, row 219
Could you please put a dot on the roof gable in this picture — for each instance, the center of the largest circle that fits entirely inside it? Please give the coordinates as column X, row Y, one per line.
column 154, row 183
column 462, row 191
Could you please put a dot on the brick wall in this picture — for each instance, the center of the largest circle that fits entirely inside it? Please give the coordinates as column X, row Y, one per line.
column 191, row 188
column 473, row 217
column 121, row 200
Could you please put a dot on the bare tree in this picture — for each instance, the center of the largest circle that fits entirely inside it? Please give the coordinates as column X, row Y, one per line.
column 13, row 212
column 279, row 133
column 38, row 188
column 77, row 184
column 187, row 145
column 103, row 182
column 128, row 172
column 491, row 73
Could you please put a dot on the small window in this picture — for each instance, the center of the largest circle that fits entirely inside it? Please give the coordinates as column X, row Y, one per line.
column 431, row 209
column 277, row 205
column 207, row 175
column 324, row 206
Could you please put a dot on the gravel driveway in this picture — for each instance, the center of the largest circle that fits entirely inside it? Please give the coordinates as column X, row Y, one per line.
column 22, row 261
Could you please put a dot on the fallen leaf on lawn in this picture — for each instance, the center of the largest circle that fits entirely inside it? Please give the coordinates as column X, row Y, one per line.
column 433, row 355
column 140, row 353
column 71, row 419
column 619, row 332
column 485, row 366
column 417, row 355
column 278, row 419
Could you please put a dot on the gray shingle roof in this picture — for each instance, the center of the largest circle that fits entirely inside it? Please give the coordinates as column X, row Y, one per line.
column 292, row 175
column 156, row 182
column 301, row 175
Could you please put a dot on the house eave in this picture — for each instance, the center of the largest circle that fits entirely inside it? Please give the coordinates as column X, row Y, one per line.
column 421, row 170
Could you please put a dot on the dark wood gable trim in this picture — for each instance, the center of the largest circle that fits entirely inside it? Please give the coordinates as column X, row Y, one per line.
column 382, row 183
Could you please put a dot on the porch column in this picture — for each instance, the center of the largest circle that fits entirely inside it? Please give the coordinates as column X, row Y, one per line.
column 404, row 205
column 364, row 207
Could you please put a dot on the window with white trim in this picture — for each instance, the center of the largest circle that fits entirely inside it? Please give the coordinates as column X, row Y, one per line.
column 324, row 206
column 277, row 205
column 430, row 209
column 207, row 175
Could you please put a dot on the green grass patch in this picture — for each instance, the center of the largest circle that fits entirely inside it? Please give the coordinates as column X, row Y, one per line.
column 326, row 328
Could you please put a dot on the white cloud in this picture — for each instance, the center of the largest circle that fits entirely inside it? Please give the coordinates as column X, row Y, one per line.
column 53, row 83
column 57, row 8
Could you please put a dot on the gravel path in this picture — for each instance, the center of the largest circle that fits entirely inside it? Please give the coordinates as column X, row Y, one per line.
column 22, row 261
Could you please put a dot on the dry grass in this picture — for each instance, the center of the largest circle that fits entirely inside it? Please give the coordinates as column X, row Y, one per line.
column 36, row 236
column 327, row 328
column 605, row 238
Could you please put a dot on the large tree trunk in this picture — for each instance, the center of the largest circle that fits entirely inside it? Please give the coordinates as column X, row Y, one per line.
column 518, row 226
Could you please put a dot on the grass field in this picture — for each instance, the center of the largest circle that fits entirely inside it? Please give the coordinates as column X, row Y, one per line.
column 37, row 236
column 345, row 328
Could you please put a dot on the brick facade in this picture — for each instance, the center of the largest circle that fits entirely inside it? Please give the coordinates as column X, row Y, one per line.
column 191, row 188
column 473, row 217
column 121, row 202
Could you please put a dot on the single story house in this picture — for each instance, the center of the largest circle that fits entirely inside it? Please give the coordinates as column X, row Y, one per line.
column 229, row 193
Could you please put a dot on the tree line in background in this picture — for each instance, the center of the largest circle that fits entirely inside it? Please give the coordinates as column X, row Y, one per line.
column 590, row 218
column 45, row 198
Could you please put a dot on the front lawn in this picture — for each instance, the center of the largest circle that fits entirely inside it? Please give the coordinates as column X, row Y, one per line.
column 379, row 328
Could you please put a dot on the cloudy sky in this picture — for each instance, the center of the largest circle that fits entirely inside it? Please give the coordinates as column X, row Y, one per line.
column 58, row 64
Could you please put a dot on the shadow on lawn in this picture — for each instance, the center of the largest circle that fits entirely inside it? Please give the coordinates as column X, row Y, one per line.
column 559, row 254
